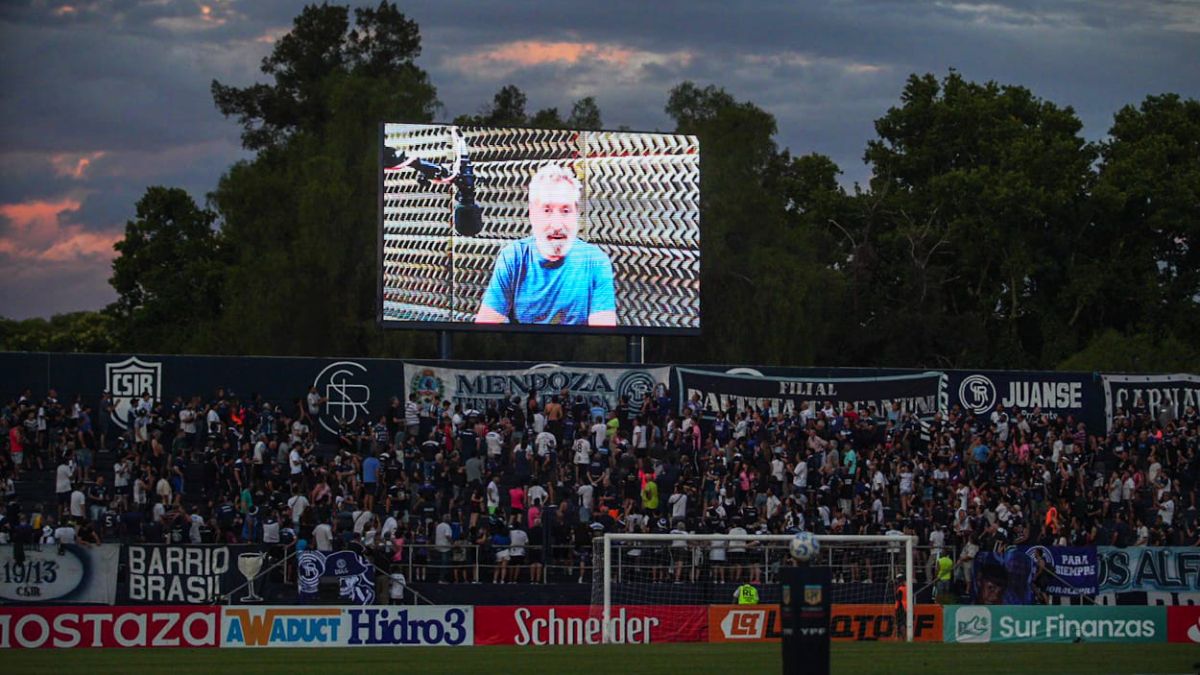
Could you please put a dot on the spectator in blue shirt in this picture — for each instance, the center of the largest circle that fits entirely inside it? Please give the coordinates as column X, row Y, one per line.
column 551, row 277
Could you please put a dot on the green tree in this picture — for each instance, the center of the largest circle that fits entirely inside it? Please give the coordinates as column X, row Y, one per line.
column 762, row 282
column 168, row 274
column 80, row 332
column 1144, row 280
column 961, row 250
column 302, row 213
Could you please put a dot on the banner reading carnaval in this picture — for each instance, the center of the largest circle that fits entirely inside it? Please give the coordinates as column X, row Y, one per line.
column 1170, row 394
column 478, row 387
column 922, row 393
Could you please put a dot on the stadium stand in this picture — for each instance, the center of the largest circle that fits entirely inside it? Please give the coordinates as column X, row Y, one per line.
column 516, row 494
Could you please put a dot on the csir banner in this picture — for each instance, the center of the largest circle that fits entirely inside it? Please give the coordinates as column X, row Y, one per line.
column 309, row 626
column 980, row 624
column 582, row 624
column 59, row 574
column 36, row 627
column 848, row 623
column 1149, row 568
column 1162, row 397
column 477, row 387
column 922, row 393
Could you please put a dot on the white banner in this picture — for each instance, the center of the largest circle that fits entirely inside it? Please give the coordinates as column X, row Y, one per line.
column 1171, row 394
column 66, row 574
column 476, row 388
column 316, row 626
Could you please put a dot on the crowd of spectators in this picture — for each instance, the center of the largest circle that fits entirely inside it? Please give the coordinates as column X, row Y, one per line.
column 527, row 483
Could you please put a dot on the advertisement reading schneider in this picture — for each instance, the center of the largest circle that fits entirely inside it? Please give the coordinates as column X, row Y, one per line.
column 539, row 229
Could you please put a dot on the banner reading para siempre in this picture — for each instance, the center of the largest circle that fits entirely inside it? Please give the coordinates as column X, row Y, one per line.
column 980, row 624
column 1075, row 568
column 70, row 573
column 478, row 387
column 1149, row 568
column 922, row 393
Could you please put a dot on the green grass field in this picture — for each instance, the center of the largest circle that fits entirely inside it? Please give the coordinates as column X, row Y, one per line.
column 890, row 658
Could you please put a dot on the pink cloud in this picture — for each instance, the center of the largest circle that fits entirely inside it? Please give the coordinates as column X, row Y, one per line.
column 38, row 233
column 526, row 53
column 74, row 165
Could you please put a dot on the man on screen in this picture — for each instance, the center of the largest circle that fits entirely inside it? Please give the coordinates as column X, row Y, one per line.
column 551, row 277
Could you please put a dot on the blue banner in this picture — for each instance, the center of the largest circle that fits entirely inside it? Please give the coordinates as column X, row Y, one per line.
column 1074, row 568
column 1002, row 578
column 1149, row 568
column 355, row 574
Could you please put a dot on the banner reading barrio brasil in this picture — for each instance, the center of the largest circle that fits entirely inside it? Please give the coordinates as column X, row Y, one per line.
column 922, row 393
column 477, row 387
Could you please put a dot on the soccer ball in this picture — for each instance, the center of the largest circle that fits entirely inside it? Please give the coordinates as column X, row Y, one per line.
column 804, row 546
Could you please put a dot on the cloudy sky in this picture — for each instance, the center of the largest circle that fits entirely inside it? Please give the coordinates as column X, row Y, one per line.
column 106, row 97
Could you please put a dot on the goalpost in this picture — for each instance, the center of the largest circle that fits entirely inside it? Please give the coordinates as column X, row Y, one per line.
column 704, row 569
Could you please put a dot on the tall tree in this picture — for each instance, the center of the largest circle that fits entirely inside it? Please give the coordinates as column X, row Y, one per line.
column 970, row 229
column 302, row 213
column 168, row 274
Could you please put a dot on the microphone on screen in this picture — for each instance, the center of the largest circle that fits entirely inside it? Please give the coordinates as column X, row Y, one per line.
column 468, row 216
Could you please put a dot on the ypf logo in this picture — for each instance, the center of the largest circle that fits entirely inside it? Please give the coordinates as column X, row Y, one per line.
column 744, row 624
column 637, row 386
column 344, row 401
column 973, row 624
column 977, row 394
column 126, row 381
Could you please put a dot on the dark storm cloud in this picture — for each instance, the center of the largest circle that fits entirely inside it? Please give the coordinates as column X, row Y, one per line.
column 106, row 97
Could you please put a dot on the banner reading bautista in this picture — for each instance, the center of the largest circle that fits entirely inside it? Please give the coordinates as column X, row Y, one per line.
column 922, row 393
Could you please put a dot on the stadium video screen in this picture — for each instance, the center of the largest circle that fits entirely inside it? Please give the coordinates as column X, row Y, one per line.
column 539, row 230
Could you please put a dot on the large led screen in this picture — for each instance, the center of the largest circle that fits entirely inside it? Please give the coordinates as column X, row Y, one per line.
column 539, row 229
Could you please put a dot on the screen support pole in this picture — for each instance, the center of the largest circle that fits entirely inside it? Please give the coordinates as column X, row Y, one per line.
column 635, row 349
column 445, row 345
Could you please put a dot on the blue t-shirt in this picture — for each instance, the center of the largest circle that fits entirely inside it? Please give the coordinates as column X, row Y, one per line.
column 370, row 469
column 528, row 289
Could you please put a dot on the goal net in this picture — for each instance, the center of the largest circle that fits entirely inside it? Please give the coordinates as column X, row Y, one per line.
column 677, row 573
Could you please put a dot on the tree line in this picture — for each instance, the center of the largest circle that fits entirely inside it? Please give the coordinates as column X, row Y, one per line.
column 990, row 232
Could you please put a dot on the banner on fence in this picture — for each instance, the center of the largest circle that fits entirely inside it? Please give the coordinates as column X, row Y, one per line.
column 1158, row 395
column 1051, row 623
column 52, row 573
column 185, row 573
column 922, row 393
column 1058, row 394
column 1002, row 578
column 1149, row 568
column 478, row 387
column 1183, row 624
column 1075, row 568
column 582, row 624
column 310, row 626
column 848, row 623
column 355, row 575
column 35, row 627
